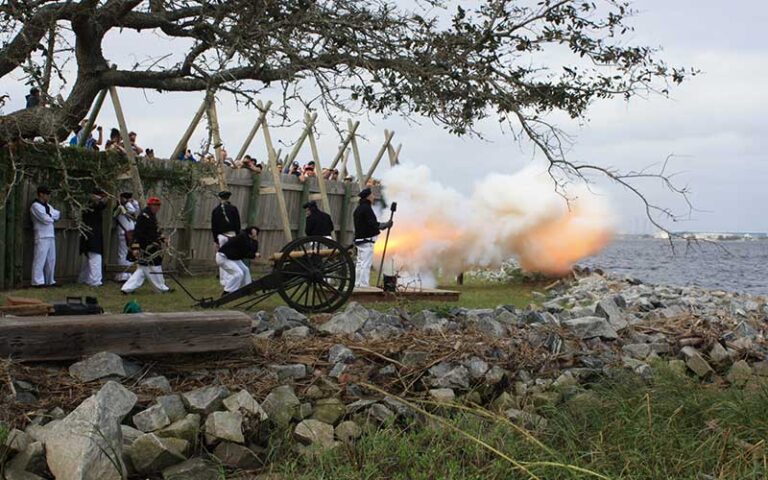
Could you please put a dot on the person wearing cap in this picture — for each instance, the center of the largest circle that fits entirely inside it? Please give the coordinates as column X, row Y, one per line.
column 33, row 99
column 147, row 249
column 225, row 224
column 125, row 214
column 318, row 222
column 92, row 239
column 230, row 258
column 44, row 259
column 367, row 229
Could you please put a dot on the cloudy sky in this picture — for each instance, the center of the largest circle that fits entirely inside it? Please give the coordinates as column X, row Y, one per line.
column 713, row 125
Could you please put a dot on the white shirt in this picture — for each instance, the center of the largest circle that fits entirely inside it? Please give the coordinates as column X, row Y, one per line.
column 128, row 213
column 42, row 221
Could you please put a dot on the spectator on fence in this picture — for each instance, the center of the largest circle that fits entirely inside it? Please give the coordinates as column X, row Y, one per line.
column 187, row 156
column 279, row 167
column 349, row 179
column 334, row 175
column 91, row 143
column 294, row 169
column 125, row 214
column 258, row 168
column 44, row 259
column 230, row 258
column 34, row 99
column 147, row 250
column 326, row 173
column 136, row 148
column 249, row 163
column 309, row 172
column 115, row 142
column 92, row 239
column 150, row 154
column 209, row 158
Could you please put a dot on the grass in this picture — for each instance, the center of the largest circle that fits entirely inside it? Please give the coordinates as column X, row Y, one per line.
column 474, row 294
column 675, row 428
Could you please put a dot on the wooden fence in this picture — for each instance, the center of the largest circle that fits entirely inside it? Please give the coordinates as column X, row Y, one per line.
column 185, row 219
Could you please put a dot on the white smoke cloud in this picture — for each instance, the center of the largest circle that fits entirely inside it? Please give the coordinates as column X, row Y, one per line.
column 520, row 215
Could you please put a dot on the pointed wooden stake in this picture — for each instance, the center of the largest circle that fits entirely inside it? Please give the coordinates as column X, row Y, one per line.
column 184, row 142
column 138, row 188
column 387, row 142
column 253, row 131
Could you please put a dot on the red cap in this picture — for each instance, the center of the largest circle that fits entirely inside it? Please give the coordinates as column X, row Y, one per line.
column 153, row 201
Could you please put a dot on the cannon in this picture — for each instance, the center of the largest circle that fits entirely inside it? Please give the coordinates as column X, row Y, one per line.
column 311, row 274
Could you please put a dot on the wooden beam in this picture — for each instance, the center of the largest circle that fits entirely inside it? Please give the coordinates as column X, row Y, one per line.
column 394, row 154
column 344, row 220
column 254, row 130
column 92, row 118
column 301, row 216
column 318, row 168
column 138, row 188
column 213, row 119
column 51, row 338
column 344, row 144
column 343, row 173
column 184, row 141
column 309, row 123
column 276, row 180
column 356, row 155
column 387, row 142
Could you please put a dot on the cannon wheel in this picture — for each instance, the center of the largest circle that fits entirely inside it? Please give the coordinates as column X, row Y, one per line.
column 317, row 275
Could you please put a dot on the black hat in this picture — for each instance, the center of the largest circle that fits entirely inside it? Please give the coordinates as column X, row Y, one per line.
column 364, row 192
column 225, row 195
column 43, row 189
column 310, row 204
column 127, row 195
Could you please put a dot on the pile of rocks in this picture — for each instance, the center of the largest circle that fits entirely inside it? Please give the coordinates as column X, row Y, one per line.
column 512, row 360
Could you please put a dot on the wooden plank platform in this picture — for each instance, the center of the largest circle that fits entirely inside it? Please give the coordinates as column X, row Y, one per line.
column 374, row 294
column 71, row 337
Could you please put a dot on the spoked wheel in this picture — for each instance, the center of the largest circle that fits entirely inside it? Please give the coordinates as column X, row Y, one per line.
column 317, row 275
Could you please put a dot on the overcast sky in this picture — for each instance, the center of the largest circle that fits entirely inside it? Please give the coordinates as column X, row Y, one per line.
column 714, row 124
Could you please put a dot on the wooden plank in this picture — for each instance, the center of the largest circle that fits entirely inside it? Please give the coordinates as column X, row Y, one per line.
column 63, row 338
column 253, row 199
column 372, row 294
column 356, row 155
column 254, row 130
column 387, row 142
column 213, row 119
column 394, row 154
column 344, row 144
column 277, row 181
column 301, row 216
column 138, row 188
column 319, row 169
column 344, row 220
column 92, row 118
column 184, row 141
column 309, row 122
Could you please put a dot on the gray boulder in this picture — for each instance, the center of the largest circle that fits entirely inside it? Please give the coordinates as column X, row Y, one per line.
column 150, row 453
column 348, row 431
column 340, row 353
column 236, row 456
column 205, row 400
column 610, row 310
column 591, row 327
column 284, row 318
column 491, row 327
column 281, row 405
column 186, row 429
column 477, row 368
column 294, row 371
column 159, row 383
column 88, row 443
column 151, row 419
column 173, row 406
column 442, row 395
column 244, row 402
column 193, row 469
column 329, row 410
column 101, row 365
column 447, row 375
column 695, row 361
column 315, row 434
column 297, row 332
column 349, row 321
column 31, row 460
column 226, row 426
column 381, row 414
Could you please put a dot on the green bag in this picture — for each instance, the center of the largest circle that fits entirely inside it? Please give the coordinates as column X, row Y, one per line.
column 132, row 307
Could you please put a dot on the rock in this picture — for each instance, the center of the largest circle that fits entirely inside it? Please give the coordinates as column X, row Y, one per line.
column 494, row 375
column 339, row 353
column 150, row 453
column 381, row 414
column 447, row 375
column 243, row 401
column 305, row 410
column 185, row 429
column 329, row 410
column 760, row 368
column 696, row 362
column 205, row 400
column 739, row 374
column 12, row 474
column 236, row 456
column 296, row 332
column 678, row 367
column 224, row 426
column 151, row 419
column 281, row 405
column 591, row 327
column 100, row 365
column 526, row 419
column 31, row 459
column 442, row 395
column 266, row 334
column 491, row 327
column 16, row 441
column 284, row 318
column 316, row 434
column 193, row 469
column 718, row 354
column 504, row 402
column 294, row 371
column 159, row 383
column 79, row 446
column 428, row 320
column 477, row 368
column 381, row 326
column 130, row 434
column 348, row 431
column 639, row 351
column 359, row 406
column 610, row 310
column 412, row 358
column 173, row 406
column 349, row 321
column 745, row 330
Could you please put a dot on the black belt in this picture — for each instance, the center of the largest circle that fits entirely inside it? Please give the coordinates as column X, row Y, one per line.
column 361, row 241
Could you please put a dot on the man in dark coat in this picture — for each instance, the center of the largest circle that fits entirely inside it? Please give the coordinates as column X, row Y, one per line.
column 367, row 229
column 92, row 239
column 225, row 224
column 147, row 249
column 318, row 222
column 230, row 258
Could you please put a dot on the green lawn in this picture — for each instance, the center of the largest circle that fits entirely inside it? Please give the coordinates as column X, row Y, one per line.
column 473, row 295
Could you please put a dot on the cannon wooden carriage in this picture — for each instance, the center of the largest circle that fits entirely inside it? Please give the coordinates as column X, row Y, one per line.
column 311, row 274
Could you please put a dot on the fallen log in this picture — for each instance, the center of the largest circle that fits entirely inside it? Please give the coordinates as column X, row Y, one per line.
column 64, row 338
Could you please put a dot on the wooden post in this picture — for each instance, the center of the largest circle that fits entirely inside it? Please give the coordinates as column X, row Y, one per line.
column 190, row 208
column 394, row 154
column 278, row 184
column 184, row 142
column 318, row 168
column 3, row 210
column 213, row 120
column 92, row 118
column 138, row 188
column 253, row 200
column 302, row 217
column 343, row 221
column 356, row 155
column 309, row 123
column 343, row 173
column 387, row 142
column 253, row 131
column 344, row 145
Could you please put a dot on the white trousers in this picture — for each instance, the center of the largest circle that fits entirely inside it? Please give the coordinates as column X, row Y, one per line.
column 122, row 253
column 144, row 272
column 90, row 270
column 222, row 239
column 237, row 273
column 363, row 266
column 44, row 261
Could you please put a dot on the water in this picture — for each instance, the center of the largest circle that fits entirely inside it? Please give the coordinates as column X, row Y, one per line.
column 737, row 266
